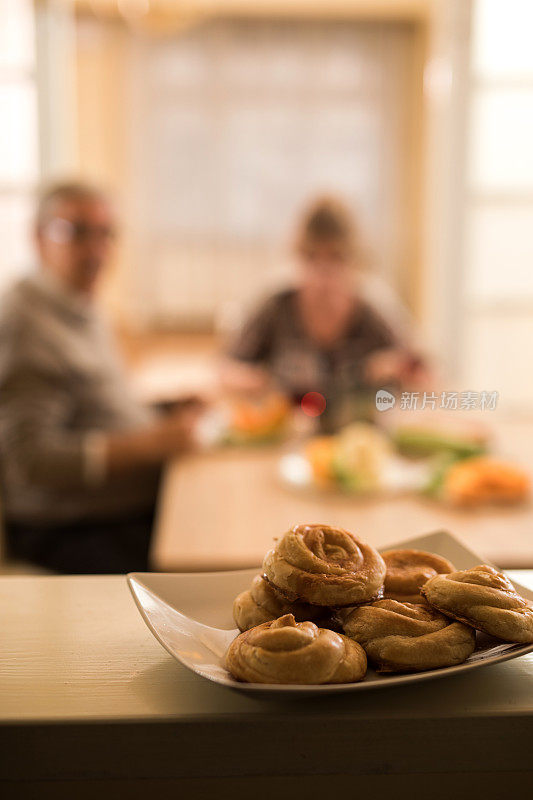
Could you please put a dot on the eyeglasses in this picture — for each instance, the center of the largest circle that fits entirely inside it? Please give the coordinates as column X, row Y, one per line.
column 63, row 231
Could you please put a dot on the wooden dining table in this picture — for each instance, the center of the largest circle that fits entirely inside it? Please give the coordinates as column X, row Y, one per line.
column 222, row 509
column 92, row 706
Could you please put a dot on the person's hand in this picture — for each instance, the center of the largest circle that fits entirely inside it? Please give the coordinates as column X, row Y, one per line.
column 179, row 403
column 393, row 365
column 240, row 378
column 175, row 431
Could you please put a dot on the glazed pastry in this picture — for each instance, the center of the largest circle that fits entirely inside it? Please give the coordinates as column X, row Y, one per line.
column 408, row 570
column 263, row 603
column 484, row 598
column 406, row 637
column 325, row 566
column 286, row 651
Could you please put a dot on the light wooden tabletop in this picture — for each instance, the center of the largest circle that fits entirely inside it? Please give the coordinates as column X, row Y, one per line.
column 91, row 705
column 76, row 648
column 221, row 510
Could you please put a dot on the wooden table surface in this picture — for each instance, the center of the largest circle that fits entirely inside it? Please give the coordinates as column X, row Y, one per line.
column 220, row 510
column 91, row 705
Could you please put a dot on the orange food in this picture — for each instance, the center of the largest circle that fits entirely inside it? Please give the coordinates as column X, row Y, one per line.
column 320, row 452
column 262, row 418
column 477, row 481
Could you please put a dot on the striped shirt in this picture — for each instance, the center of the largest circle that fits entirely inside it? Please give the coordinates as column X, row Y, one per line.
column 62, row 390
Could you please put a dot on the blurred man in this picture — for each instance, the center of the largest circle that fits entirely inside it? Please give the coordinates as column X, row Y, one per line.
column 80, row 457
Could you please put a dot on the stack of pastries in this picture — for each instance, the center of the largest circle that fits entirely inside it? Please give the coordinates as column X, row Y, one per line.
column 327, row 602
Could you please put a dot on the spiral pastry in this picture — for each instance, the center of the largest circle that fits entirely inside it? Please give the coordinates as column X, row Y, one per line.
column 405, row 637
column 484, row 598
column 325, row 566
column 286, row 651
column 408, row 570
column 263, row 603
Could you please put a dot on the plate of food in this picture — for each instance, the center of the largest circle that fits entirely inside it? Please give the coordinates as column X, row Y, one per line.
column 241, row 421
column 363, row 460
column 479, row 481
column 421, row 439
column 259, row 420
column 327, row 613
column 360, row 460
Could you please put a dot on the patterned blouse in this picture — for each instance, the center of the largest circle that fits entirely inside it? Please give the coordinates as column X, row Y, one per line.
column 274, row 337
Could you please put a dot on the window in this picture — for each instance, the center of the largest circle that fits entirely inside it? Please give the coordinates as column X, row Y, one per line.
column 19, row 163
column 498, row 290
column 235, row 125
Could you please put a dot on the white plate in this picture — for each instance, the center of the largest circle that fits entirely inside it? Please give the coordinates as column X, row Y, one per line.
column 190, row 615
column 399, row 475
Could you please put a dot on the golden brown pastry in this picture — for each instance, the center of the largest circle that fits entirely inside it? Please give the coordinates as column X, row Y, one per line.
column 405, row 637
column 286, row 651
column 408, row 570
column 325, row 566
column 484, row 598
column 262, row 603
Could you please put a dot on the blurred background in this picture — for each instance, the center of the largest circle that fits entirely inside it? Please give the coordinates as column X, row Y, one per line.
column 213, row 122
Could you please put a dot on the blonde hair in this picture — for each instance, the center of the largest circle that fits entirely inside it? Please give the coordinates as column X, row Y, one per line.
column 328, row 218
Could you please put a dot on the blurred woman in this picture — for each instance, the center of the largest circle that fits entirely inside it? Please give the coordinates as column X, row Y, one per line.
column 324, row 334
